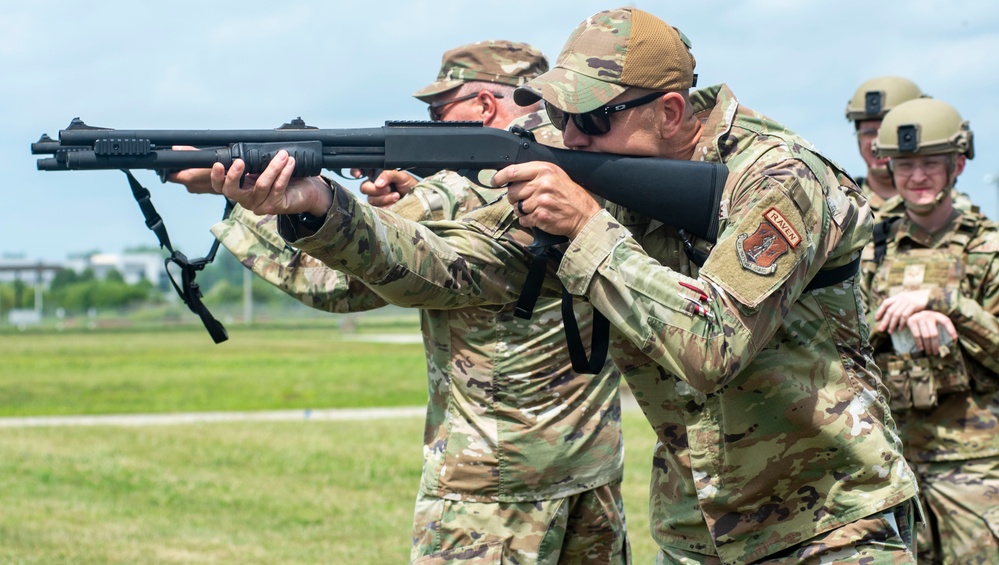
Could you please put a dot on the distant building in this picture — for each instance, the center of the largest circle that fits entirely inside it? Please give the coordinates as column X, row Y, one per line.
column 38, row 275
column 134, row 267
column 28, row 271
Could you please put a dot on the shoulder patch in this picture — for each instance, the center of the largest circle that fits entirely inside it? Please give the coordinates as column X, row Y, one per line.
column 767, row 244
column 759, row 252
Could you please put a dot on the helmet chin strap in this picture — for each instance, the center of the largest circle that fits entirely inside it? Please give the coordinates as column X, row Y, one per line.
column 927, row 209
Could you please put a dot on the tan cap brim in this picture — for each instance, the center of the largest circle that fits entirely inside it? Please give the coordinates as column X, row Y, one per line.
column 568, row 91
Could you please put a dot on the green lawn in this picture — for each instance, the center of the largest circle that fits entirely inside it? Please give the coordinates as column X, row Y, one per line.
column 276, row 492
column 136, row 371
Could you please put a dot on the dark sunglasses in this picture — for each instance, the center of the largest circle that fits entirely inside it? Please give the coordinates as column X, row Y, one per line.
column 435, row 108
column 596, row 122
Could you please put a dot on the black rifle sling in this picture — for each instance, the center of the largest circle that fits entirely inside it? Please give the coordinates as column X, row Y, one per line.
column 599, row 339
column 696, row 256
column 188, row 290
column 833, row 276
column 882, row 233
column 532, row 286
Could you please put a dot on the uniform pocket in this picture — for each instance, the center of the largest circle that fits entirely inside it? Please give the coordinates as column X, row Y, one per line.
column 923, row 385
column 896, row 379
column 478, row 554
column 911, row 382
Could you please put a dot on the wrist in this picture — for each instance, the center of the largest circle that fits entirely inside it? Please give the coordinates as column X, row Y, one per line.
column 324, row 199
column 586, row 218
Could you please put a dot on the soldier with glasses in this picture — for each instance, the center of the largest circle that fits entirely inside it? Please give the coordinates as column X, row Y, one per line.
column 933, row 297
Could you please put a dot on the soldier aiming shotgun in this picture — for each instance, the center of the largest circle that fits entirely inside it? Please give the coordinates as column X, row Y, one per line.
column 661, row 187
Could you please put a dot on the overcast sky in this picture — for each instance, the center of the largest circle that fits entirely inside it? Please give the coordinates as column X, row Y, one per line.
column 250, row 65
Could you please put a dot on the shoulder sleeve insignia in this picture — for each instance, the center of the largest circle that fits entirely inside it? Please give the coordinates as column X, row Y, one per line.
column 759, row 251
column 763, row 250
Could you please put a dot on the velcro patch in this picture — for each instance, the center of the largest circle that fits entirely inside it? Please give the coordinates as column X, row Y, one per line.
column 759, row 252
column 757, row 258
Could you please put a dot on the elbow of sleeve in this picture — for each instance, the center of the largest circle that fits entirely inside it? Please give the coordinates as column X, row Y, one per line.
column 706, row 365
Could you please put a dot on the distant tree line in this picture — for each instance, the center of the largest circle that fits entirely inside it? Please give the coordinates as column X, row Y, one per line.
column 77, row 293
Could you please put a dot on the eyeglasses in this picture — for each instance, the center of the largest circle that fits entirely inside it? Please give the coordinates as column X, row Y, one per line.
column 931, row 166
column 596, row 122
column 867, row 133
column 435, row 108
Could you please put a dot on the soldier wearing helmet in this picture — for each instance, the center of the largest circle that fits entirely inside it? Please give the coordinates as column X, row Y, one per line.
column 932, row 289
column 868, row 106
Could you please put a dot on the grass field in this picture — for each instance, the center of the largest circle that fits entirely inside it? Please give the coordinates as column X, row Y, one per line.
column 278, row 492
column 136, row 371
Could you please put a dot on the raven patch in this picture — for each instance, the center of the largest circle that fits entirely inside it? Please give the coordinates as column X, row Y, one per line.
column 783, row 227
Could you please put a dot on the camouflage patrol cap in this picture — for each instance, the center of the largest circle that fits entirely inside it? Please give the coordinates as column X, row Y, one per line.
column 608, row 53
column 501, row 62
column 875, row 97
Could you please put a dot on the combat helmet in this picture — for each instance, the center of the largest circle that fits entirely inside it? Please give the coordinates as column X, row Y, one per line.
column 876, row 97
column 923, row 127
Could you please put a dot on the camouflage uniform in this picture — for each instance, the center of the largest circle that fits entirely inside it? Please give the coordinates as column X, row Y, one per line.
column 947, row 407
column 773, row 424
column 775, row 437
column 895, row 206
column 522, row 456
column 881, row 207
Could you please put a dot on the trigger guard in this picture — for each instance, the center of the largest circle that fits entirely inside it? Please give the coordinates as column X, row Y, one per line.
column 474, row 178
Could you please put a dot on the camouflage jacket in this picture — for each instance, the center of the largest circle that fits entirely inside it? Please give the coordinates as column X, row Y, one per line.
column 963, row 422
column 895, row 206
column 880, row 206
column 507, row 418
column 772, row 420
column 888, row 208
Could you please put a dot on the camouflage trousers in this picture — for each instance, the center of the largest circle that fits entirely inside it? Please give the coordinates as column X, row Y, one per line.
column 586, row 528
column 961, row 501
column 886, row 538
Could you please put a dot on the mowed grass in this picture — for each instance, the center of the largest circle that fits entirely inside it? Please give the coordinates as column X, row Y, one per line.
column 253, row 492
column 149, row 371
column 278, row 493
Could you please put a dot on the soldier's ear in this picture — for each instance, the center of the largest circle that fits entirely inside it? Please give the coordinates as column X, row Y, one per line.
column 959, row 162
column 672, row 108
column 490, row 107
